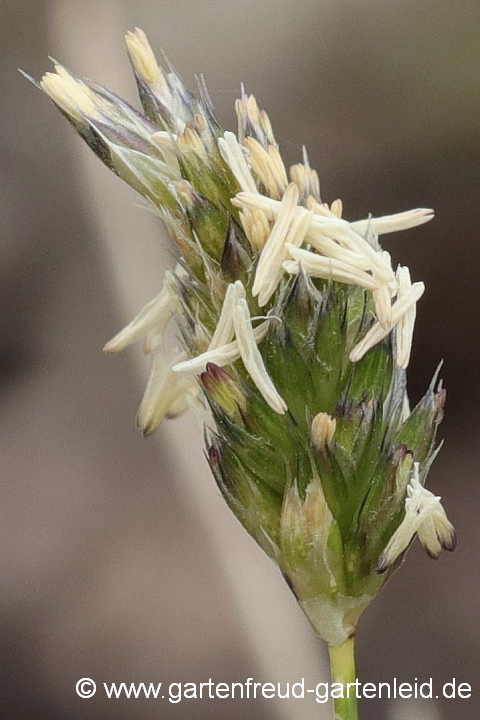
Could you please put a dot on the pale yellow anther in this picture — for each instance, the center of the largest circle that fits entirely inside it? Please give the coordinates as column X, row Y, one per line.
column 252, row 107
column 305, row 525
column 406, row 324
column 322, row 432
column 167, row 394
column 143, row 59
column 189, row 141
column 306, row 180
column 256, row 226
column 293, row 521
column 199, row 124
column 224, row 332
column 327, row 268
column 166, row 144
column 425, row 516
column 232, row 153
column 250, row 116
column 383, row 305
column 151, row 322
column 71, row 95
column 323, row 209
column 278, row 168
column 290, row 228
column 185, row 192
column 268, row 166
column 317, row 513
column 267, row 127
column 252, row 358
column 336, row 208
column 376, row 333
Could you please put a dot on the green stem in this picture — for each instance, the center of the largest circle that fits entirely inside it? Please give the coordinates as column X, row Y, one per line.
column 342, row 664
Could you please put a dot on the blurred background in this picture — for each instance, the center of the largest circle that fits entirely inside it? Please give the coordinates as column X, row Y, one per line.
column 118, row 559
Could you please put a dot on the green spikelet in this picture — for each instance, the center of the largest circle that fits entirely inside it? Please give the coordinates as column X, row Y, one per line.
column 295, row 337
